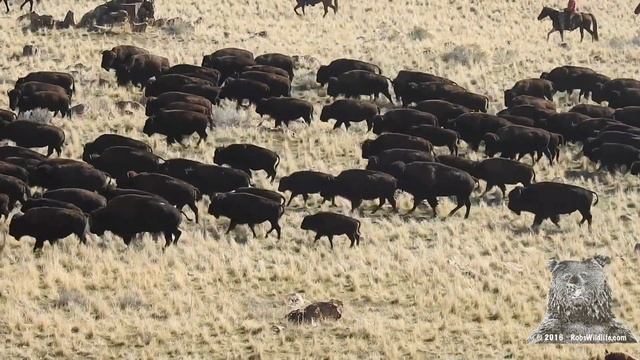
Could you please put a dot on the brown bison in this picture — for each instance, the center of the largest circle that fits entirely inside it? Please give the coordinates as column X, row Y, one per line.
column 128, row 215
column 285, row 109
column 281, row 61
column 340, row 66
column 304, row 183
column 31, row 134
column 356, row 185
column 50, row 100
column 177, row 192
column 549, row 200
column 500, row 172
column 84, row 199
column 401, row 120
column 539, row 88
column 48, row 224
column 331, row 224
column 178, row 124
column 355, row 83
column 346, row 111
column 248, row 209
column 429, row 180
column 61, row 79
column 247, row 157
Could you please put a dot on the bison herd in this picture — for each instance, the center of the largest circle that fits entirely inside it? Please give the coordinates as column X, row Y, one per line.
column 122, row 187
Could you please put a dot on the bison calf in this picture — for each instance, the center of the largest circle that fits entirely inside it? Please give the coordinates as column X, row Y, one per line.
column 346, row 111
column 330, row 224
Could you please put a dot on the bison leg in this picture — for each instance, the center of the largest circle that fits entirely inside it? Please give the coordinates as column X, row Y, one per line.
column 586, row 216
column 38, row 245
column 127, row 239
column 392, row 201
column 168, row 238
column 387, row 95
column 6, row 4
column 555, row 219
column 503, row 188
column 291, row 198
column 49, row 150
column 331, row 241
column 453, row 149
column 253, row 230
column 537, row 221
column 82, row 237
column 275, row 226
column 203, row 136
column 176, row 235
column 461, row 203
column 305, row 197
column 489, row 187
column 272, row 174
column 318, row 236
column 433, row 202
column 581, row 37
column 416, row 203
column 337, row 124
column 326, row 9
column 354, row 238
column 382, row 201
column 549, row 155
column 194, row 208
column 467, row 203
column 232, row 225
column 333, row 200
column 369, row 124
column 355, row 203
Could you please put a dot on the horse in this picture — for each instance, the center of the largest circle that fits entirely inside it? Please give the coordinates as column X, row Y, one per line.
column 577, row 20
column 333, row 4
column 6, row 4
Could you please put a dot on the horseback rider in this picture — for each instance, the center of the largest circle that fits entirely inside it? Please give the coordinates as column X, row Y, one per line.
column 569, row 12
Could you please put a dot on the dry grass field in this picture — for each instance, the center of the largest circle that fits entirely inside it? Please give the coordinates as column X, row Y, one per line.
column 416, row 287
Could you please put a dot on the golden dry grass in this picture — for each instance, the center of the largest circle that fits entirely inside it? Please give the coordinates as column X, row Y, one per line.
column 415, row 288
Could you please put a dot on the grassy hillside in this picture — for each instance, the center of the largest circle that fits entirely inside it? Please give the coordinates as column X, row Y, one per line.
column 415, row 288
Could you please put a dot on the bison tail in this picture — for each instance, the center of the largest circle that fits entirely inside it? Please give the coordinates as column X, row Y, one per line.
column 595, row 28
column 597, row 198
column 185, row 215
